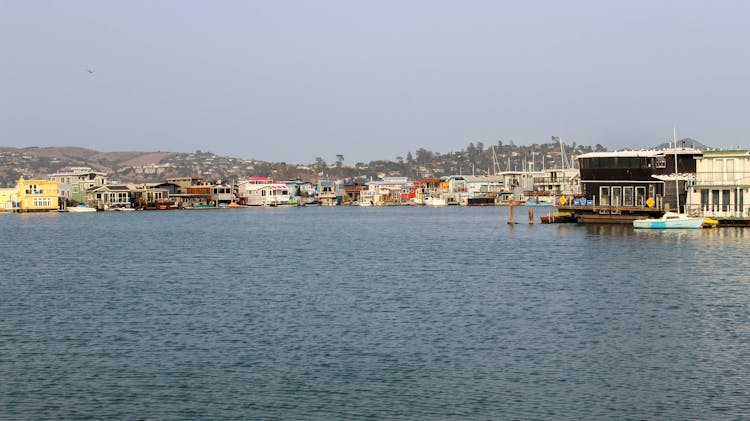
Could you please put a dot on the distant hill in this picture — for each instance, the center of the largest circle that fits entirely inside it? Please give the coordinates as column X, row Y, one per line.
column 686, row 142
column 476, row 158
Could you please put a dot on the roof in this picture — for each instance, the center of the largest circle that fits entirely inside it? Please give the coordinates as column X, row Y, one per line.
column 640, row 154
column 725, row 153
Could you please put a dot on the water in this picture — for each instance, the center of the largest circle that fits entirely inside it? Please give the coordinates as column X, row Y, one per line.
column 352, row 313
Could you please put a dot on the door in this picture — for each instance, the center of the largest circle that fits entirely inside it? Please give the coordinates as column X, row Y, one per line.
column 616, row 199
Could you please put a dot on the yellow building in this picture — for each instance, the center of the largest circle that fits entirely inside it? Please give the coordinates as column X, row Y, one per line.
column 36, row 195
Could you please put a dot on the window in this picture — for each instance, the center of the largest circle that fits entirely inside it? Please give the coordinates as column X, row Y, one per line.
column 719, row 170
column 730, row 170
column 725, row 197
column 704, row 200
column 627, row 196
column 604, row 196
column 714, row 200
column 40, row 202
column 640, row 196
column 616, row 195
column 739, row 203
column 660, row 162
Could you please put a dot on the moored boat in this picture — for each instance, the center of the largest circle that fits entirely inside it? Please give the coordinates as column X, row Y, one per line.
column 558, row 217
column 539, row 202
column 669, row 220
column 81, row 209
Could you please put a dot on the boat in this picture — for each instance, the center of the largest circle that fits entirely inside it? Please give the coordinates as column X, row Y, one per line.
column 435, row 201
column 81, row 209
column 558, row 217
column 539, row 202
column 710, row 222
column 669, row 220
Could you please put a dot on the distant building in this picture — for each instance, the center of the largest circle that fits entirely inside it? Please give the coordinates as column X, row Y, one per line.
column 36, row 196
column 7, row 197
column 75, row 183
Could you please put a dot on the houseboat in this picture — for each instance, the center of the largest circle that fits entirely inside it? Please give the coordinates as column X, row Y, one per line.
column 722, row 181
column 262, row 191
column 621, row 186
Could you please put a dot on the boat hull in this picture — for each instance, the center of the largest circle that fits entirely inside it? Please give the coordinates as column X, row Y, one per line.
column 661, row 223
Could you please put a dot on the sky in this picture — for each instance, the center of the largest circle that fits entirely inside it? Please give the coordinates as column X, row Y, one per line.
column 295, row 80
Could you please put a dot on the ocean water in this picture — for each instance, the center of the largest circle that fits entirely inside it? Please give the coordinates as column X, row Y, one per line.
column 357, row 313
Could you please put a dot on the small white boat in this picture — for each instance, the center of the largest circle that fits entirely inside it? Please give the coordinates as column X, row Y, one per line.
column 81, row 209
column 669, row 220
column 435, row 201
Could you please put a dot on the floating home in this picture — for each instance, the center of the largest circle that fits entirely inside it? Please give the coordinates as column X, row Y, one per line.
column 618, row 187
column 722, row 187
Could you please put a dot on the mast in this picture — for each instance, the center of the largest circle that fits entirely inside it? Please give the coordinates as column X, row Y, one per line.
column 676, row 179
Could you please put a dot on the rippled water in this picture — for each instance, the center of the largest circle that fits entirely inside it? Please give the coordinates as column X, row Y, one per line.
column 394, row 313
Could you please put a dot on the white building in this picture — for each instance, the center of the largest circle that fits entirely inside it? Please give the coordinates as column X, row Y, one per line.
column 722, row 185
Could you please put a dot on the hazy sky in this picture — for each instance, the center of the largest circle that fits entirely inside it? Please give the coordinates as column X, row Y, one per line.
column 293, row 80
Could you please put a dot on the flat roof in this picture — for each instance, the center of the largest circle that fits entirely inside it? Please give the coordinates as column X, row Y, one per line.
column 641, row 153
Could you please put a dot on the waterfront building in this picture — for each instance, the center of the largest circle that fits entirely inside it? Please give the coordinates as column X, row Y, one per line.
column 471, row 190
column 519, row 185
column 36, row 196
column 352, row 191
column 426, row 189
column 329, row 192
column 722, row 185
column 301, row 192
column 7, row 198
column 553, row 183
column 149, row 196
column 75, row 183
column 384, row 192
column 109, row 196
column 620, row 186
column 183, row 183
column 262, row 191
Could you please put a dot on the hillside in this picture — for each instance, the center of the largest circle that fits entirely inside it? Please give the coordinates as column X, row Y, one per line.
column 476, row 158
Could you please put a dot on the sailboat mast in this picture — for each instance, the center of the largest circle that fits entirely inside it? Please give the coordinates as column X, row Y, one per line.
column 676, row 179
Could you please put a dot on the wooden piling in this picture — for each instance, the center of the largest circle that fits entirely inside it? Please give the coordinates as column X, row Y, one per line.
column 531, row 216
column 510, row 215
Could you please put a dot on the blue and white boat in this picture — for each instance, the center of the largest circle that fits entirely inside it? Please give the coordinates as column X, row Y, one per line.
column 540, row 202
column 669, row 220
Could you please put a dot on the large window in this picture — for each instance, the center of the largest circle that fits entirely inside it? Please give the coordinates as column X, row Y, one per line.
column 729, row 173
column 704, row 200
column 725, row 197
column 616, row 199
column 714, row 200
column 40, row 202
column 640, row 196
column 604, row 196
column 627, row 196
column 615, row 162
